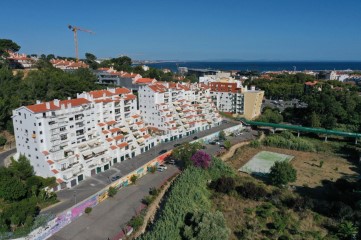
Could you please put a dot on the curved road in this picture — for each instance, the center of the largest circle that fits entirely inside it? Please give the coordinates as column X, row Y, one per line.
column 4, row 155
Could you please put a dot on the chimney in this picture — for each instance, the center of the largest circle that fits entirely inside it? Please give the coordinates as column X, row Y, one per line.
column 253, row 88
column 104, row 95
column 69, row 98
column 47, row 105
column 62, row 106
column 69, row 105
column 38, row 101
column 56, row 102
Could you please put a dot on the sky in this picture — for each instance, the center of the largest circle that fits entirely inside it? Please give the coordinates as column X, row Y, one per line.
column 246, row 30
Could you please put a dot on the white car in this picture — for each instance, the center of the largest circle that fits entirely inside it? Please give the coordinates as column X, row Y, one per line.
column 162, row 166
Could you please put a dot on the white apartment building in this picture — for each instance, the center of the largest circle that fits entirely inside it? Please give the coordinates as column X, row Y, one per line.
column 77, row 138
column 177, row 110
column 235, row 99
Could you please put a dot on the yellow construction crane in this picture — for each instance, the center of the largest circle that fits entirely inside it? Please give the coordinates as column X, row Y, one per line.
column 75, row 30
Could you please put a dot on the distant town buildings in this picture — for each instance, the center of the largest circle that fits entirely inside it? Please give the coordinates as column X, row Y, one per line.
column 119, row 78
column 20, row 61
column 68, row 65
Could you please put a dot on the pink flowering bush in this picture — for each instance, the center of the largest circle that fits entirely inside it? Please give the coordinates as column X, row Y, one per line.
column 201, row 159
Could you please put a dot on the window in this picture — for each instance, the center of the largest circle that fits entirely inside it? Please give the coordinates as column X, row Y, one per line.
column 62, row 129
column 39, row 124
column 34, row 132
column 19, row 113
column 71, row 119
column 41, row 140
column 51, row 122
column 71, row 126
column 41, row 132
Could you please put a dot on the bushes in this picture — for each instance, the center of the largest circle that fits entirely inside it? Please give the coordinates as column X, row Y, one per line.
column 134, row 179
column 112, row 191
column 255, row 144
column 252, row 191
column 282, row 173
column 287, row 140
column 137, row 221
column 2, row 141
column 88, row 210
column 223, row 185
column 201, row 159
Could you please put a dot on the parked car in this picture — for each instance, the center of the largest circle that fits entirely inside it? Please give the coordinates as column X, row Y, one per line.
column 114, row 178
column 212, row 143
column 218, row 143
column 170, row 161
column 162, row 151
column 195, row 137
column 162, row 166
column 177, row 145
column 160, row 169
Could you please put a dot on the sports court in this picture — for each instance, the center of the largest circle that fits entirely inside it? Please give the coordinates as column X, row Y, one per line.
column 262, row 162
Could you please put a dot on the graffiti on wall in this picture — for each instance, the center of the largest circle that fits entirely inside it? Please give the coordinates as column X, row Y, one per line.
column 79, row 209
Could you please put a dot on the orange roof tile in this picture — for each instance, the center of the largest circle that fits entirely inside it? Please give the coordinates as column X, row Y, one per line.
column 105, row 131
column 135, row 116
column 111, row 122
column 45, row 153
column 113, row 147
column 146, row 136
column 100, row 93
column 145, row 80
column 123, row 145
column 50, row 162
column 130, row 97
column 118, row 137
column 113, row 130
column 55, row 171
column 101, row 124
column 59, row 180
column 41, row 107
column 139, row 123
column 122, row 91
column 109, row 139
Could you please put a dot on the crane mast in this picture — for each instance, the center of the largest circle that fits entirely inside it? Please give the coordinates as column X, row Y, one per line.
column 75, row 31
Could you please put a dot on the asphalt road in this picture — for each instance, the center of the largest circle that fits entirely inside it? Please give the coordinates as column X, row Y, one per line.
column 107, row 218
column 86, row 188
column 4, row 155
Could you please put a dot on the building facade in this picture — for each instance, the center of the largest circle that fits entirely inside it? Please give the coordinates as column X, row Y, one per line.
column 177, row 110
column 233, row 98
column 77, row 138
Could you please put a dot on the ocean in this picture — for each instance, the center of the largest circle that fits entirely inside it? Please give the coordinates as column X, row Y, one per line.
column 261, row 66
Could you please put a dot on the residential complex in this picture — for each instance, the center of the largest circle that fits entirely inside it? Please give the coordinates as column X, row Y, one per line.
column 236, row 99
column 65, row 64
column 76, row 138
column 176, row 109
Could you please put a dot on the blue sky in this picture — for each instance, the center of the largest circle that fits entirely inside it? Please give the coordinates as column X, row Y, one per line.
column 189, row 30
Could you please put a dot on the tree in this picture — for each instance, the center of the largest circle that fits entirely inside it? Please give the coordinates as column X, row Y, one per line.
column 185, row 151
column 8, row 45
column 227, row 144
column 206, row 225
column 315, row 120
column 223, row 185
column 22, row 168
column 90, row 60
column 2, row 140
column 222, row 135
column 347, row 231
column 134, row 179
column 201, row 159
column 282, row 173
column 112, row 191
column 122, row 63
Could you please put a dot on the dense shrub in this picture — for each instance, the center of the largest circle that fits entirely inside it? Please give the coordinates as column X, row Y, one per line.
column 298, row 203
column 287, row 140
column 255, row 144
column 2, row 141
column 252, row 191
column 201, row 159
column 282, row 173
column 112, row 191
column 88, row 210
column 223, row 185
column 136, row 221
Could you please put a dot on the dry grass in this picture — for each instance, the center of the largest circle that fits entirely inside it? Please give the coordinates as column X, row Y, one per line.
column 307, row 165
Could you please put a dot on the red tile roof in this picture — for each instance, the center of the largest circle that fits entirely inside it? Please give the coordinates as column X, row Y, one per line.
column 59, row 180
column 101, row 124
column 130, row 97
column 55, row 171
column 109, row 139
column 122, row 91
column 123, row 145
column 114, row 130
column 45, row 153
column 50, row 162
column 113, row 147
column 105, row 132
column 118, row 137
column 145, row 80
column 100, row 93
column 111, row 122
column 41, row 107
